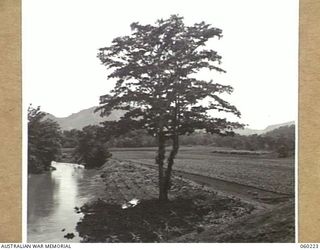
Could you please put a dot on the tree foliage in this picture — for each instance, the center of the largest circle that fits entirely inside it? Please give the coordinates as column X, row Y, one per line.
column 44, row 141
column 91, row 150
column 133, row 138
column 70, row 138
column 155, row 70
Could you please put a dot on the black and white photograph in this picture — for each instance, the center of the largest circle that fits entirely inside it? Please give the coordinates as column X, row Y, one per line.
column 160, row 121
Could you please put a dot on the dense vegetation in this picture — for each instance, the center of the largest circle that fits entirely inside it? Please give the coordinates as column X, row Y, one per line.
column 280, row 140
column 44, row 141
column 90, row 149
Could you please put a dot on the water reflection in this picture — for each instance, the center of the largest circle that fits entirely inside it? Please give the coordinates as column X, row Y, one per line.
column 52, row 198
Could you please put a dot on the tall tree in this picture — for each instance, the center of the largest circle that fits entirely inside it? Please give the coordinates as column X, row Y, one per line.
column 44, row 141
column 155, row 70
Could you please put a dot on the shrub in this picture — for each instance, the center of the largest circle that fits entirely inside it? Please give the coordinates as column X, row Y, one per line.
column 91, row 151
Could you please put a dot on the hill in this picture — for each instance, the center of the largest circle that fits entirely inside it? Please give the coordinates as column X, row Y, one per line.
column 286, row 131
column 88, row 117
column 248, row 131
column 84, row 118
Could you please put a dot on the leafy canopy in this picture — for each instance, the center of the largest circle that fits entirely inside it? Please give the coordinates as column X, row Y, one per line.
column 155, row 71
column 91, row 150
column 44, row 141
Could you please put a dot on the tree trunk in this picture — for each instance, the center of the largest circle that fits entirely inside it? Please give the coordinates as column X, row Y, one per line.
column 173, row 153
column 163, row 194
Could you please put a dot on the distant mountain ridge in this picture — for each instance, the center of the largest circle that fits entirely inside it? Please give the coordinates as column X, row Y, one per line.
column 84, row 118
column 87, row 117
column 248, row 131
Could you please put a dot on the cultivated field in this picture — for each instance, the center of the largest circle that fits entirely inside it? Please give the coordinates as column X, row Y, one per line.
column 191, row 207
column 257, row 169
column 195, row 213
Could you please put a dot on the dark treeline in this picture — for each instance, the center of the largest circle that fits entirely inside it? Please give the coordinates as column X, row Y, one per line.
column 280, row 140
column 45, row 140
column 89, row 146
column 136, row 138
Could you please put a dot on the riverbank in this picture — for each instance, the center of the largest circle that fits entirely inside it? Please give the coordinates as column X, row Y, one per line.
column 52, row 198
column 192, row 213
column 273, row 225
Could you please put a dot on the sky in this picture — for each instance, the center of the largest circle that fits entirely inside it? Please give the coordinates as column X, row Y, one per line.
column 259, row 49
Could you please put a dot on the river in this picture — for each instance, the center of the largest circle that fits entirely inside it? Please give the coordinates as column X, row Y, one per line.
column 52, row 198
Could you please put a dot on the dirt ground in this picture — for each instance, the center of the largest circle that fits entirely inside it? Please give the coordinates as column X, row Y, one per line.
column 275, row 225
column 195, row 213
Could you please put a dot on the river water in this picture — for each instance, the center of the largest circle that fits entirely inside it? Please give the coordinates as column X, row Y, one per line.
column 52, row 198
